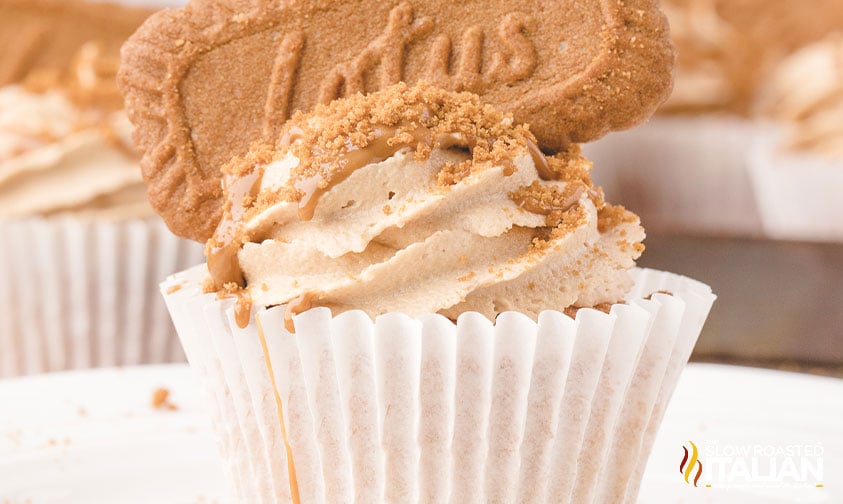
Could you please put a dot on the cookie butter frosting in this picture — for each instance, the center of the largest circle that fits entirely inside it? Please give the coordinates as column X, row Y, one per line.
column 806, row 93
column 417, row 200
column 55, row 157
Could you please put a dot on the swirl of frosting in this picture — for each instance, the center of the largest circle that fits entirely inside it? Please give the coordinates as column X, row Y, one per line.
column 418, row 200
column 57, row 157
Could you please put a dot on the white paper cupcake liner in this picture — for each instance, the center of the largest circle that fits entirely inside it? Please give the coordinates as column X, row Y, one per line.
column 800, row 195
column 682, row 174
column 83, row 293
column 426, row 410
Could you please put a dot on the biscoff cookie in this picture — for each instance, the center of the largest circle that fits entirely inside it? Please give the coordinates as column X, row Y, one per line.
column 44, row 36
column 202, row 83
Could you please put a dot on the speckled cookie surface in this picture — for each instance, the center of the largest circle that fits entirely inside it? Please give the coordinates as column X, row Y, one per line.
column 202, row 83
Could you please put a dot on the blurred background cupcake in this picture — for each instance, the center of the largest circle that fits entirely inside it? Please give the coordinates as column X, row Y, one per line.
column 81, row 256
column 686, row 170
column 735, row 180
column 797, row 160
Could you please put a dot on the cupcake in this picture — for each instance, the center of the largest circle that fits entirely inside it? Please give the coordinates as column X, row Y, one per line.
column 686, row 170
column 802, row 145
column 82, row 292
column 407, row 269
column 405, row 299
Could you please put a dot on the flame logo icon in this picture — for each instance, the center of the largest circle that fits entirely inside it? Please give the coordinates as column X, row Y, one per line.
column 687, row 466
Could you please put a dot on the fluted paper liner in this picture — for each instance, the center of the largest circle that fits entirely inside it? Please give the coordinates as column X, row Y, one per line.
column 426, row 410
column 84, row 293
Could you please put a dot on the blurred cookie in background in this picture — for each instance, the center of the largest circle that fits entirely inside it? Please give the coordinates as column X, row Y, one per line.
column 45, row 35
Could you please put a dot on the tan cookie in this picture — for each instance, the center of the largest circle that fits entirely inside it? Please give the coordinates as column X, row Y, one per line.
column 203, row 82
column 38, row 36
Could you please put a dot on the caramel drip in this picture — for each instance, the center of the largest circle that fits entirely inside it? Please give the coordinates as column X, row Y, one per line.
column 296, row 306
column 223, row 264
column 384, row 145
column 291, row 465
column 539, row 159
column 243, row 310
column 387, row 141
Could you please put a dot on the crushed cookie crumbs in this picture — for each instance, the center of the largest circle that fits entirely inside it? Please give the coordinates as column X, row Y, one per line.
column 161, row 399
column 208, row 285
column 571, row 166
column 613, row 215
column 325, row 136
column 569, row 221
column 230, row 289
column 453, row 173
column 468, row 276
column 332, row 131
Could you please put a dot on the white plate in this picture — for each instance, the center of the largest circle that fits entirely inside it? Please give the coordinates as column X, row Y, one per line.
column 727, row 408
column 92, row 436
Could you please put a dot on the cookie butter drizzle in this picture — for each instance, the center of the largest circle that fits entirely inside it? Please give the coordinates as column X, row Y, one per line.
column 296, row 306
column 387, row 141
column 243, row 309
column 222, row 248
column 279, row 405
column 384, row 145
